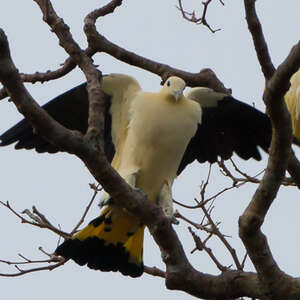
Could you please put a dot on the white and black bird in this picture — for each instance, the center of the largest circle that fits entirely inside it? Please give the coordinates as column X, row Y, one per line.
column 149, row 139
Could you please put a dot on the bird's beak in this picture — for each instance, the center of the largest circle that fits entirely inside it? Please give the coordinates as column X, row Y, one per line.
column 177, row 94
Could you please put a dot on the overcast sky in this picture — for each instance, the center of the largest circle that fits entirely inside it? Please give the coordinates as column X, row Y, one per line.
column 58, row 184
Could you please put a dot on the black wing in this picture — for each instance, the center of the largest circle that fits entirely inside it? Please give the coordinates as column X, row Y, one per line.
column 69, row 109
column 230, row 126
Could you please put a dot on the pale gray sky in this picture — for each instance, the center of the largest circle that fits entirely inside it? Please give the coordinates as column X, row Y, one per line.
column 58, row 184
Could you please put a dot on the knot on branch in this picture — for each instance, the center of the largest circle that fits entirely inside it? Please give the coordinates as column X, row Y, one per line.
column 207, row 72
column 160, row 225
column 249, row 224
column 212, row 80
column 57, row 23
column 176, row 278
column 172, row 280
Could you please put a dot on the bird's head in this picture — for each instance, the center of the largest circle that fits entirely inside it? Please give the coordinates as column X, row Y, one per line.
column 174, row 87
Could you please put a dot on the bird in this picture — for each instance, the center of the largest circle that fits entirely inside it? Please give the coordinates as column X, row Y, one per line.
column 149, row 139
column 292, row 100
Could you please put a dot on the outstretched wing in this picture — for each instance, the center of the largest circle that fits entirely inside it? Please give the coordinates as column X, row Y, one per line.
column 227, row 126
column 71, row 110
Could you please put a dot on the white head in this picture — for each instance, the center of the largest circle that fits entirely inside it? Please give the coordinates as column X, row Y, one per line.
column 174, row 87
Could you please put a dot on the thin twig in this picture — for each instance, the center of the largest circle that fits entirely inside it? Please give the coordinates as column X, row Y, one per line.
column 244, row 260
column 36, row 221
column 201, row 246
column 191, row 16
column 154, row 271
column 29, row 261
column 222, row 238
column 58, row 261
column 194, row 224
column 23, row 272
column 96, row 190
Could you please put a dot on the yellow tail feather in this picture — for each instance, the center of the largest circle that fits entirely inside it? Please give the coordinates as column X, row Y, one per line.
column 113, row 226
column 134, row 246
column 111, row 242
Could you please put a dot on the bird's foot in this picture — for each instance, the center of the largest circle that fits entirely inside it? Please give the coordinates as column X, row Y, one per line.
column 105, row 201
column 136, row 189
column 173, row 220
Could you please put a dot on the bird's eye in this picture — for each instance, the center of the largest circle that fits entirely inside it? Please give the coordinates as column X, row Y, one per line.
column 168, row 83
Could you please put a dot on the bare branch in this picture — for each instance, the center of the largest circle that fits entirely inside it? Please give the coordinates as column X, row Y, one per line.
column 96, row 190
column 36, row 221
column 205, row 77
column 252, row 219
column 39, row 220
column 22, row 272
column 29, row 261
column 202, row 246
column 258, row 39
column 154, row 271
column 244, row 260
column 99, row 43
column 211, row 228
column 53, row 263
column 205, row 227
column 191, row 17
column 222, row 238
column 91, row 18
column 237, row 182
column 94, row 133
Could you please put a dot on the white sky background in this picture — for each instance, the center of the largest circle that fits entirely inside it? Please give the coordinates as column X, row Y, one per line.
column 58, row 184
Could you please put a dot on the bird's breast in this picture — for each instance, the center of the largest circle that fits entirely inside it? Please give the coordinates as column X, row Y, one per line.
column 158, row 135
column 163, row 125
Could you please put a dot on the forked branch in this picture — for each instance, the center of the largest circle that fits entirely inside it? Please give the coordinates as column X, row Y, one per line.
column 191, row 16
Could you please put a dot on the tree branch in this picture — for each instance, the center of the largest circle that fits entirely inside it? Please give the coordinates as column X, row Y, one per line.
column 96, row 190
column 260, row 44
column 95, row 130
column 202, row 246
column 191, row 17
column 99, row 43
column 154, row 271
column 205, row 77
column 36, row 220
column 56, row 264
column 275, row 283
column 267, row 66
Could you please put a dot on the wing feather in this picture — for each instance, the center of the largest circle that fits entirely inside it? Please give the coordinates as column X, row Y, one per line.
column 71, row 110
column 228, row 126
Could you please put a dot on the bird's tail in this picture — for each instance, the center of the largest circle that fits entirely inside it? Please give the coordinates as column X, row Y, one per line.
column 111, row 242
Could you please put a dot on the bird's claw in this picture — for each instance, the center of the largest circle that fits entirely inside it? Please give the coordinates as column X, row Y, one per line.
column 136, row 189
column 104, row 202
column 173, row 220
